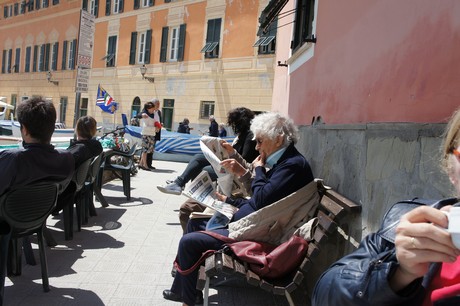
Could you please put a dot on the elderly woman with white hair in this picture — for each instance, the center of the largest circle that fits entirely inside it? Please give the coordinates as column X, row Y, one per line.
column 278, row 171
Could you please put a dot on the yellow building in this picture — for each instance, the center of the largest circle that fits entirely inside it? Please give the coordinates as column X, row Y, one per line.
column 198, row 57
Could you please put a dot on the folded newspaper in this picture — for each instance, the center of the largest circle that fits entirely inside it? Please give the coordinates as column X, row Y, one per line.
column 202, row 190
column 215, row 153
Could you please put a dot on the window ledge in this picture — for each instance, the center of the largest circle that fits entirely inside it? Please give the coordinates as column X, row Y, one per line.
column 300, row 56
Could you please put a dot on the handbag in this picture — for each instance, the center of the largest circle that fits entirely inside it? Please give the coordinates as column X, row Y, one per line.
column 264, row 259
column 268, row 260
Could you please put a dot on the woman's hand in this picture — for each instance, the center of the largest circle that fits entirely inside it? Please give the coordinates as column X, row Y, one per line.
column 232, row 166
column 259, row 161
column 144, row 115
column 228, row 147
column 421, row 239
column 221, row 197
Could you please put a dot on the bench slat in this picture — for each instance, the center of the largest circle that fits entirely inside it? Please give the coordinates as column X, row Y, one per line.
column 326, row 222
column 343, row 201
column 329, row 205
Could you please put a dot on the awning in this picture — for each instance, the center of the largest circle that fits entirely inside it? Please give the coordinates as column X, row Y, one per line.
column 269, row 14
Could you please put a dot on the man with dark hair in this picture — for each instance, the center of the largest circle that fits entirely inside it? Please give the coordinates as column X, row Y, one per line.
column 38, row 159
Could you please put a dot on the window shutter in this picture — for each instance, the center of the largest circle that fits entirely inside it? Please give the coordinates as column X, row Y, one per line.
column 34, row 63
column 64, row 55
column 27, row 67
column 180, row 51
column 45, row 3
column 31, row 5
column 5, row 13
column 37, row 5
column 120, row 8
column 132, row 51
column 74, row 49
column 96, row 8
column 47, row 57
column 148, row 46
column 17, row 60
column 85, row 5
column 3, row 61
column 41, row 62
column 55, row 56
column 164, row 44
column 167, row 1
column 137, row 4
column 55, row 2
column 151, row 2
column 217, row 24
column 108, row 5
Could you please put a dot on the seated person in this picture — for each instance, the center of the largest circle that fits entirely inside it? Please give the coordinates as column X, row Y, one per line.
column 240, row 121
column 184, row 127
column 288, row 172
column 421, row 267
column 82, row 149
column 38, row 160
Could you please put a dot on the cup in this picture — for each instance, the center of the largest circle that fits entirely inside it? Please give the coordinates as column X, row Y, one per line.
column 454, row 225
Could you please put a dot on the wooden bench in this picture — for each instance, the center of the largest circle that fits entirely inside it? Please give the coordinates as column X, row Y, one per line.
column 332, row 209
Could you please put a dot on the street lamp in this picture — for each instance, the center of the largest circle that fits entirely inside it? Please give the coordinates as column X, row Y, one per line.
column 143, row 71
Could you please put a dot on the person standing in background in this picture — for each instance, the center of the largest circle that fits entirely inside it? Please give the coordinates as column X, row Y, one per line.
column 158, row 119
column 213, row 127
column 222, row 130
column 148, row 134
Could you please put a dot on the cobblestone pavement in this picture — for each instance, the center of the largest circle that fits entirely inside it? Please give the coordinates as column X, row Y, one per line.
column 123, row 256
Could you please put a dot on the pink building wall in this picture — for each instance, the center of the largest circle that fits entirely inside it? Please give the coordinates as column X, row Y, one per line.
column 375, row 61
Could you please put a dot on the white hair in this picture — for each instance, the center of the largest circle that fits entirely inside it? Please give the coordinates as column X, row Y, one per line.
column 271, row 125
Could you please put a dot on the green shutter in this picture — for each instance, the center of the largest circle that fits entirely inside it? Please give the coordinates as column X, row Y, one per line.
column 164, row 44
column 148, row 46
column 132, row 51
column 180, row 52
column 64, row 55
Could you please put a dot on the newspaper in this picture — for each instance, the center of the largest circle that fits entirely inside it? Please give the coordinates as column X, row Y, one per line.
column 215, row 153
column 202, row 190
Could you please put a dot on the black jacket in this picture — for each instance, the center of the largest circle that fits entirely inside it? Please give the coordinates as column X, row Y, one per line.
column 361, row 278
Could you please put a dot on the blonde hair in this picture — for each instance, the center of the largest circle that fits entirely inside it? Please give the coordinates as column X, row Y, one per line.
column 451, row 138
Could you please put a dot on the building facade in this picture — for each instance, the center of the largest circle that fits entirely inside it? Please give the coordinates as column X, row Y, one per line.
column 372, row 84
column 200, row 58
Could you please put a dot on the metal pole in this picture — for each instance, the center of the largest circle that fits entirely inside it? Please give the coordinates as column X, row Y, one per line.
column 77, row 108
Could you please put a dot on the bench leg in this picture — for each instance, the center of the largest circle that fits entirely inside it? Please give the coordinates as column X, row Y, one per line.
column 289, row 298
column 206, row 292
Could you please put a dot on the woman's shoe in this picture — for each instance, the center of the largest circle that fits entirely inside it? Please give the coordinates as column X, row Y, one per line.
column 143, row 168
column 169, row 295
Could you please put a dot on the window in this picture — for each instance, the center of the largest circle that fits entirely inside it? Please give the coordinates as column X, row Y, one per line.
column 41, row 58
column 267, row 42
column 6, row 60
column 72, row 54
column 45, row 3
column 211, row 48
column 17, row 60
column 34, row 64
column 16, row 9
column 31, row 5
column 176, row 44
column 206, row 109
column 117, row 6
column 83, row 107
column 141, row 53
column 303, row 27
column 22, row 9
column 62, row 109
column 93, row 7
column 54, row 56
column 111, row 51
column 55, row 2
column 147, row 3
column 27, row 63
column 173, row 44
column 140, row 48
column 37, row 4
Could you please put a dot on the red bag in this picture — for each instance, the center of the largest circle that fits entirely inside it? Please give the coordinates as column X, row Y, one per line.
column 270, row 261
column 264, row 259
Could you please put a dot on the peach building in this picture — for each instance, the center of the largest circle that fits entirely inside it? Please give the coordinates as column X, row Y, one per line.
column 198, row 57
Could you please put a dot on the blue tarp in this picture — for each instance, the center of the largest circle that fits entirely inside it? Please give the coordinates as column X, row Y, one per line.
column 172, row 142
